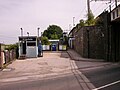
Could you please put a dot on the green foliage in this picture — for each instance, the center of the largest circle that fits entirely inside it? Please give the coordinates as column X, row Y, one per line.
column 54, row 36
column 53, row 32
column 11, row 46
column 90, row 19
column 45, row 41
column 82, row 23
column 65, row 39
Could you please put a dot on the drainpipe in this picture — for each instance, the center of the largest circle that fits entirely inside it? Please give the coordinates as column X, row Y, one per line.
column 88, row 43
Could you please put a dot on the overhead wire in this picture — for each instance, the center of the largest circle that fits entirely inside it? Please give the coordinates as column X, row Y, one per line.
column 83, row 9
column 98, row 6
column 96, row 10
column 81, row 13
column 99, row 9
column 102, row 8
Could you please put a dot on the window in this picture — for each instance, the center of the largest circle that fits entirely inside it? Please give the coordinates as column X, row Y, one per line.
column 31, row 44
column 113, row 15
column 117, row 12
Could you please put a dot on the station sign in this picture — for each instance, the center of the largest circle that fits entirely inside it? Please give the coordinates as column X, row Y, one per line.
column 27, row 38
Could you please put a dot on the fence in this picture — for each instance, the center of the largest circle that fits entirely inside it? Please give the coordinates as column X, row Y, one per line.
column 7, row 56
column 46, row 47
column 62, row 47
column 58, row 47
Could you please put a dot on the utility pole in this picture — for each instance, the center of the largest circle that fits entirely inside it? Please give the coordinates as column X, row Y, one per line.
column 88, row 14
column 110, row 6
column 116, row 3
column 88, row 6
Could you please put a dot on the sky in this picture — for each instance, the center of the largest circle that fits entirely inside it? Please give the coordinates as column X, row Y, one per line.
column 31, row 14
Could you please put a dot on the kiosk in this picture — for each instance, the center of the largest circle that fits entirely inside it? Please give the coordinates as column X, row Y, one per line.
column 28, row 46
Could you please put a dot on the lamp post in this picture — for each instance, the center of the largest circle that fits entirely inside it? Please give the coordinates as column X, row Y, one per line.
column 21, row 32
column 28, row 34
column 73, row 21
column 38, row 31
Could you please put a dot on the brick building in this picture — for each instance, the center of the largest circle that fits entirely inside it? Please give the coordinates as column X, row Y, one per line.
column 115, row 35
column 101, row 41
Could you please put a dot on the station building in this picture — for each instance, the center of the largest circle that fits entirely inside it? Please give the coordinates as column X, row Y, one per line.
column 28, row 46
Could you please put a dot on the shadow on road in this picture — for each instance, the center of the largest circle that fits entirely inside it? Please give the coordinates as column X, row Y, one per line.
column 64, row 54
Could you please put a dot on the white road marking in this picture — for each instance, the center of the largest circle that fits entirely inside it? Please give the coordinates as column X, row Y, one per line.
column 13, row 79
column 107, row 85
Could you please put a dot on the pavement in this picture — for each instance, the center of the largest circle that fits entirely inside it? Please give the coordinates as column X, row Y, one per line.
column 86, row 63
column 80, row 64
column 52, row 65
column 75, row 56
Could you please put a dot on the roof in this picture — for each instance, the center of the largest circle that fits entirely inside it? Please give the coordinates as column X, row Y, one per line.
column 55, row 40
column 27, row 37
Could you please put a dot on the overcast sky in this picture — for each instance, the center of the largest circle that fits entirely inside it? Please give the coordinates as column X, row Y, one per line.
column 31, row 14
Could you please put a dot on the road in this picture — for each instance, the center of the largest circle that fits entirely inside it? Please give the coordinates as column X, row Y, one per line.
column 105, row 77
column 67, row 82
column 54, row 71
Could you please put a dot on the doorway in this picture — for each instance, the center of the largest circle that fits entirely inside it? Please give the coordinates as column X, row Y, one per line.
column 116, row 43
column 24, row 48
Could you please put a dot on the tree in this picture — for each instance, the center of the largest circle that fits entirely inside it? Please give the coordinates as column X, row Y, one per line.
column 45, row 41
column 54, row 36
column 81, row 23
column 90, row 19
column 53, row 32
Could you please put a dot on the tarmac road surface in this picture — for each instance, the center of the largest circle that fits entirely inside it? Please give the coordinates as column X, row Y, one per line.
column 53, row 71
column 104, row 78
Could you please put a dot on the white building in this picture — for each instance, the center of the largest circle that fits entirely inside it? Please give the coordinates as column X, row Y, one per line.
column 28, row 46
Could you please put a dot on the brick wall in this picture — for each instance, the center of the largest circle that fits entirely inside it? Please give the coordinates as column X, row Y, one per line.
column 78, row 43
column 89, row 42
column 101, row 41
column 96, row 43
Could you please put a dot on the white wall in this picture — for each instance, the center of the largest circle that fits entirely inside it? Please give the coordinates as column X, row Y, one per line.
column 31, row 51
